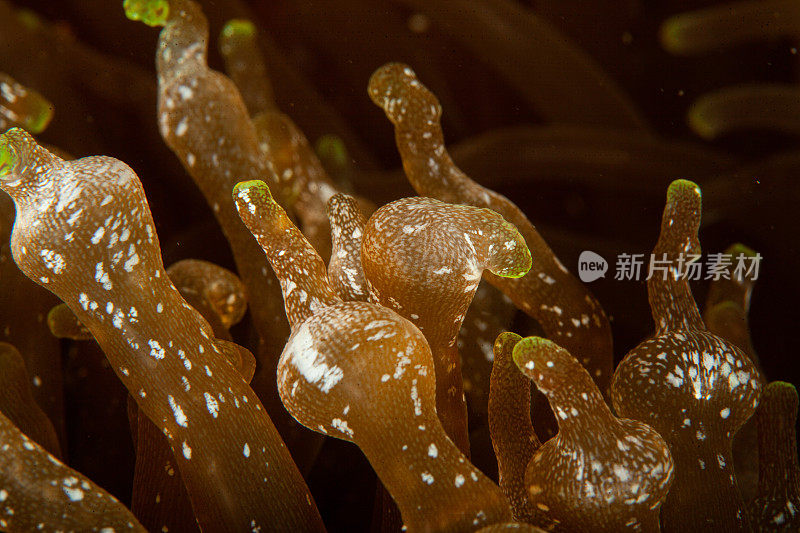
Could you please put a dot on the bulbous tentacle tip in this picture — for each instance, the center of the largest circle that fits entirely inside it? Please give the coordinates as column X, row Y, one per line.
column 223, row 291
column 338, row 203
column 783, row 390
column 394, row 87
column 237, row 28
column 10, row 134
column 700, row 119
column 385, row 78
column 250, row 191
column 514, row 257
column 14, row 145
column 681, row 220
column 529, row 350
column 151, row 12
column 670, row 35
column 505, row 340
column 8, row 156
column 683, row 190
column 332, row 148
column 29, row 18
column 255, row 205
column 37, row 121
column 738, row 248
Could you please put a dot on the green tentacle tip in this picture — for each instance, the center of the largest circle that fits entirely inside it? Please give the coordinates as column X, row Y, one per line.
column 782, row 392
column 523, row 349
column 702, row 120
column 671, row 34
column 724, row 309
column 504, row 339
column 247, row 190
column 739, row 248
column 782, row 385
column 332, row 148
column 517, row 260
column 680, row 188
column 151, row 12
column 518, row 269
column 8, row 156
column 29, row 19
column 38, row 121
column 238, row 28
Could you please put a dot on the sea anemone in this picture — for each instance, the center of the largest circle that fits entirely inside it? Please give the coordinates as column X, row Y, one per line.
column 331, row 348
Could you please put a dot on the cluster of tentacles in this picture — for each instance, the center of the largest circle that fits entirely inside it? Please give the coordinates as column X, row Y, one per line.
column 387, row 327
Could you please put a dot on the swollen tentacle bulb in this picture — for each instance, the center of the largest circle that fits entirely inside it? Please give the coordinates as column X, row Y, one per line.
column 694, row 388
column 84, row 232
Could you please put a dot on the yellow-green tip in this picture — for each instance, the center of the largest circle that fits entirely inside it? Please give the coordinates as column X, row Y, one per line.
column 782, row 386
column 782, row 395
column 673, row 34
column 29, row 19
column 521, row 268
column 504, row 339
column 522, row 351
column 514, row 258
column 248, row 189
column 151, row 12
column 331, row 148
column 8, row 155
column 739, row 248
column 238, row 28
column 703, row 118
column 681, row 188
column 37, row 121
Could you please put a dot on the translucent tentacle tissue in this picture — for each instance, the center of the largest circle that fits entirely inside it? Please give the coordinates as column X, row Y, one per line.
column 694, row 388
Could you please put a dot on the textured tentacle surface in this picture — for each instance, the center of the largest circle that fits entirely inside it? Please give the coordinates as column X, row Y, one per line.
column 303, row 180
column 600, row 473
column 568, row 313
column 84, row 231
column 360, row 372
column 301, row 271
column 776, row 506
column 513, row 438
column 345, row 272
column 238, row 44
column 726, row 316
column 424, row 259
column 159, row 499
column 205, row 122
column 669, row 293
column 694, row 388
column 25, row 304
column 489, row 314
column 18, row 404
column 38, row 492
